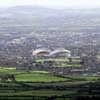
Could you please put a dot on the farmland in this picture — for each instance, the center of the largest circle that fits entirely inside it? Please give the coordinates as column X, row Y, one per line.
column 42, row 84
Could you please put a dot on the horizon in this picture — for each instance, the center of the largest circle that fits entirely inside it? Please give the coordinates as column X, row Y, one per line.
column 55, row 4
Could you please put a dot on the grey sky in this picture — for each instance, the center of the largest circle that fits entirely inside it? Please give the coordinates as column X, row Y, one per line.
column 54, row 3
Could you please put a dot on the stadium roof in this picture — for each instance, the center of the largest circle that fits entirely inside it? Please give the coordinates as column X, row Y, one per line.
column 57, row 51
column 41, row 50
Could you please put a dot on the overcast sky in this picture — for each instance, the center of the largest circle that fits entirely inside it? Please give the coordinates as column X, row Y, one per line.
column 54, row 3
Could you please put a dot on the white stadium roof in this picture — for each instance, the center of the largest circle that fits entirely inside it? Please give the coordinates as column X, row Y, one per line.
column 47, row 52
column 37, row 51
column 59, row 51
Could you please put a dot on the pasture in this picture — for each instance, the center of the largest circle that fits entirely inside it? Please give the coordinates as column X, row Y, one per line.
column 41, row 85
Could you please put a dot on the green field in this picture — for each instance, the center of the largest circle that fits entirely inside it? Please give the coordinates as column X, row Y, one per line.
column 31, row 76
column 61, row 62
column 42, row 85
column 59, row 59
column 41, row 76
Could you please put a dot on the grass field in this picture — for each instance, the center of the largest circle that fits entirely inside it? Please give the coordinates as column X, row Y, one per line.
column 32, row 76
column 61, row 62
column 67, row 65
column 59, row 59
column 41, row 76
column 42, row 85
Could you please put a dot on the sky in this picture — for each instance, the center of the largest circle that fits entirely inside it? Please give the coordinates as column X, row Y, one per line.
column 60, row 4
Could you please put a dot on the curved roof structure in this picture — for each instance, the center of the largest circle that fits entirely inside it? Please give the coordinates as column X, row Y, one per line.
column 41, row 52
column 59, row 51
